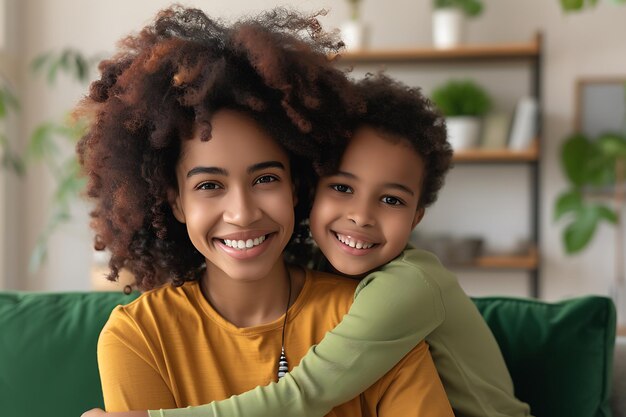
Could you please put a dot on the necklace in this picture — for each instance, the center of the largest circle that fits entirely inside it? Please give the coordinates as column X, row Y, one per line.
column 283, row 366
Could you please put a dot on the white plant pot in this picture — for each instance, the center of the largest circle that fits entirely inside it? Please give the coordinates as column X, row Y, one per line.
column 448, row 27
column 463, row 132
column 354, row 35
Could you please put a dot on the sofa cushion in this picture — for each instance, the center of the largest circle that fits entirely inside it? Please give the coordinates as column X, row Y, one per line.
column 559, row 354
column 48, row 363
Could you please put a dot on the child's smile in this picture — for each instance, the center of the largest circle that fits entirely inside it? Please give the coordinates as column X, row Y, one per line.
column 354, row 244
column 363, row 215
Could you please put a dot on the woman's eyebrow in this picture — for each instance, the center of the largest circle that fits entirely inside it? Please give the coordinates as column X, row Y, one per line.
column 265, row 165
column 207, row 170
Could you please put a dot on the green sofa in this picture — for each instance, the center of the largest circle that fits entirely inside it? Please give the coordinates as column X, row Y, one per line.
column 560, row 355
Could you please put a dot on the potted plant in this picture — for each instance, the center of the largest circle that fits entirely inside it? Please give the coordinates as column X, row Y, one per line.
column 45, row 144
column 353, row 31
column 577, row 5
column 449, row 20
column 463, row 103
column 596, row 171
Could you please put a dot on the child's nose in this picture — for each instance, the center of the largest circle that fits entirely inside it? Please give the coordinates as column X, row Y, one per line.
column 241, row 209
column 362, row 215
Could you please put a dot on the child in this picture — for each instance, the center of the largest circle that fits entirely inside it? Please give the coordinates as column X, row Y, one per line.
column 194, row 156
column 361, row 219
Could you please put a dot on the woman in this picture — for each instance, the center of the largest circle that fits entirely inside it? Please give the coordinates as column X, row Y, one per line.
column 199, row 134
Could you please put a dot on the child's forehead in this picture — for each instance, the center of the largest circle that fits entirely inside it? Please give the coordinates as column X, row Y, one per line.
column 377, row 142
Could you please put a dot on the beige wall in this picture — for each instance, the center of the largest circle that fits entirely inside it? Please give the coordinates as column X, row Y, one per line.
column 588, row 44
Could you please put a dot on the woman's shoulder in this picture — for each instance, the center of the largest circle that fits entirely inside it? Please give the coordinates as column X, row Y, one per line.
column 152, row 303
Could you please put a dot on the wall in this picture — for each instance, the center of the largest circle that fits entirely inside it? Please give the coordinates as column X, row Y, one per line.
column 586, row 44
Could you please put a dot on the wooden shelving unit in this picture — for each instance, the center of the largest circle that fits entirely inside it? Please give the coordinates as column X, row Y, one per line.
column 498, row 155
column 525, row 53
column 499, row 52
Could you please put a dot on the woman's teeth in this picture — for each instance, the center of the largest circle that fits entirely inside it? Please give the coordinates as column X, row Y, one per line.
column 357, row 244
column 244, row 244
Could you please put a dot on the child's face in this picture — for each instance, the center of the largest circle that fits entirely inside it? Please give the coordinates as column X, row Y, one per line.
column 236, row 197
column 362, row 216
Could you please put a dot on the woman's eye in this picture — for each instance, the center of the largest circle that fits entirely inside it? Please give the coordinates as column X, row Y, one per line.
column 208, row 186
column 392, row 201
column 342, row 188
column 266, row 179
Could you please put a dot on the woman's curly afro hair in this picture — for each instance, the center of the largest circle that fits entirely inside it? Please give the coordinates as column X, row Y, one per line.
column 403, row 112
column 173, row 75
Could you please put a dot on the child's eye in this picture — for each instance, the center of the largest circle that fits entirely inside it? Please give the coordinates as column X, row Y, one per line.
column 392, row 201
column 207, row 186
column 266, row 179
column 342, row 188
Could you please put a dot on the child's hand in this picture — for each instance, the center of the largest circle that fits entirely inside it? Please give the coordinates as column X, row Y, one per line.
column 97, row 412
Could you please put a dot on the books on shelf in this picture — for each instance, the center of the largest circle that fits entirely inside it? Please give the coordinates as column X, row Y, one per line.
column 524, row 124
column 495, row 131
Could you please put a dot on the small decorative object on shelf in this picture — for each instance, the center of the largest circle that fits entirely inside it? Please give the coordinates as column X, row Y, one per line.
column 463, row 103
column 354, row 31
column 449, row 21
column 524, row 124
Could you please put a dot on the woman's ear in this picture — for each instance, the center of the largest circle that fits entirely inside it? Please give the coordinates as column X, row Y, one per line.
column 173, row 197
column 419, row 215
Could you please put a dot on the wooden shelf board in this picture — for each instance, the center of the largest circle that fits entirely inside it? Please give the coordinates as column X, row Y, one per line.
column 468, row 52
column 496, row 155
column 499, row 155
column 528, row 261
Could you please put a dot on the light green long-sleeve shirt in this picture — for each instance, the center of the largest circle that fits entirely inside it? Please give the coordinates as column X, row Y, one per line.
column 410, row 299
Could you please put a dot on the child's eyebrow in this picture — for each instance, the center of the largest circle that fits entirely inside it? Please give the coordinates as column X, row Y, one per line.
column 394, row 185
column 400, row 187
column 224, row 172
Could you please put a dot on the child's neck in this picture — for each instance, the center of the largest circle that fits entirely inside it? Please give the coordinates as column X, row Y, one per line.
column 252, row 303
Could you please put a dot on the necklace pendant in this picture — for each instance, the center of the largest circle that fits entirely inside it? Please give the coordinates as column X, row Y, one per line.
column 282, row 364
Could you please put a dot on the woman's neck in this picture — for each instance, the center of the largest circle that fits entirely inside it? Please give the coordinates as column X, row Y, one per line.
column 250, row 303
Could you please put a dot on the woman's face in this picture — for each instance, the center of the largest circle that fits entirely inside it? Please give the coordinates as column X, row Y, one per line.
column 236, row 197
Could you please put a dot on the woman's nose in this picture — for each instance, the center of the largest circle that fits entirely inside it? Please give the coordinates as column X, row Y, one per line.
column 241, row 208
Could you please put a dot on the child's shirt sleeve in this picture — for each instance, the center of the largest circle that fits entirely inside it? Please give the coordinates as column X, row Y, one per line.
column 394, row 309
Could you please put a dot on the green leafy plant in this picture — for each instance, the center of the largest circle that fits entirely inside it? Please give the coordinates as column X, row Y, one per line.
column 45, row 144
column 9, row 158
column 589, row 165
column 577, row 5
column 461, row 98
column 354, row 9
column 470, row 8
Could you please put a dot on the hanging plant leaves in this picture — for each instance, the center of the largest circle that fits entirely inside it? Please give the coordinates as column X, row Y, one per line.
column 568, row 202
column 580, row 231
column 575, row 153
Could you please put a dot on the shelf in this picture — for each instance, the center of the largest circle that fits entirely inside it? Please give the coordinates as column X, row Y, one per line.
column 529, row 50
column 527, row 262
column 497, row 155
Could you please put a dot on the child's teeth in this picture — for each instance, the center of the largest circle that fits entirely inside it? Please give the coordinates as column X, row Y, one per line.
column 353, row 243
column 244, row 244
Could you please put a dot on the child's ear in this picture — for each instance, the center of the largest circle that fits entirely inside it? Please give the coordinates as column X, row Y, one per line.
column 419, row 215
column 173, row 197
